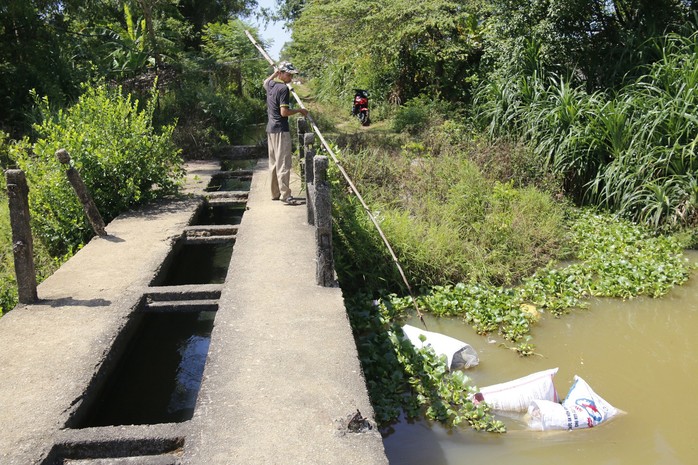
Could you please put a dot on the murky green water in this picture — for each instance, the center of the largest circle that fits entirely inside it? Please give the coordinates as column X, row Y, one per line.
column 229, row 184
column 641, row 355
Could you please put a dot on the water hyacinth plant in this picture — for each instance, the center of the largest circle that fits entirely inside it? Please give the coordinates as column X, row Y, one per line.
column 614, row 258
column 404, row 380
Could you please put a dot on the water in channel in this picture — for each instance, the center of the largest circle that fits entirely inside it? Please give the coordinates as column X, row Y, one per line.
column 641, row 355
column 197, row 264
column 229, row 184
column 158, row 379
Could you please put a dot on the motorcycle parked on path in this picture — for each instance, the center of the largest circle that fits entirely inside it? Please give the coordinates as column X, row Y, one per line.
column 360, row 107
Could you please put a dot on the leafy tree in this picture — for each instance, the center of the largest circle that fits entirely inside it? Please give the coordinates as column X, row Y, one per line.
column 52, row 46
column 287, row 10
column 31, row 57
column 398, row 49
column 596, row 41
column 236, row 59
column 201, row 12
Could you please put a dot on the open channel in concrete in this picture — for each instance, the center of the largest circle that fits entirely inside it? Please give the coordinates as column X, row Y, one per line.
column 127, row 359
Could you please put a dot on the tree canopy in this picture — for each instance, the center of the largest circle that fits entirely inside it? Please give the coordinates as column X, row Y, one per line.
column 403, row 48
column 52, row 46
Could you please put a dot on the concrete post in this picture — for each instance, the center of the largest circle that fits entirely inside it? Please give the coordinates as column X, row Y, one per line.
column 83, row 194
column 323, row 224
column 22, row 241
column 308, row 140
column 302, row 129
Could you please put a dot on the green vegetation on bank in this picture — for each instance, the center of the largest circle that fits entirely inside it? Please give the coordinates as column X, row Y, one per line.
column 612, row 258
column 605, row 256
column 632, row 151
column 130, row 89
column 446, row 220
column 495, row 255
column 409, row 381
column 493, row 122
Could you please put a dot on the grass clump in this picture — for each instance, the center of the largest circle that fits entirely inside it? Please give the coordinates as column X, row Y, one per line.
column 631, row 151
column 446, row 221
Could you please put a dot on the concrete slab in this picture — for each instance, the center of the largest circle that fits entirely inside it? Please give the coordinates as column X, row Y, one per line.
column 283, row 374
column 51, row 350
column 282, row 377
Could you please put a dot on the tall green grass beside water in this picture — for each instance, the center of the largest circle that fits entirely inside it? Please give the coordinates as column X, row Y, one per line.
column 445, row 220
column 631, row 151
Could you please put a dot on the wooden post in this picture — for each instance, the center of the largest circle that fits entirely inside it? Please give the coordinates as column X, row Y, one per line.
column 308, row 140
column 22, row 241
column 323, row 224
column 83, row 194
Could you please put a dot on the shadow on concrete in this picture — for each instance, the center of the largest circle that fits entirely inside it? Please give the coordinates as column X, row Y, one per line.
column 70, row 302
column 111, row 238
column 168, row 205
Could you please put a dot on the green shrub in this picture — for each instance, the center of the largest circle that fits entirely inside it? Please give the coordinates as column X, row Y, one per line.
column 123, row 161
column 207, row 117
column 411, row 118
column 420, row 113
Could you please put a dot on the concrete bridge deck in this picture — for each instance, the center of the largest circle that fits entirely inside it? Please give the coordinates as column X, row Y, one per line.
column 282, row 376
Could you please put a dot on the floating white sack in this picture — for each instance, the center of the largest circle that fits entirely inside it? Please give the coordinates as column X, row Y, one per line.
column 582, row 408
column 545, row 415
column 458, row 353
column 516, row 395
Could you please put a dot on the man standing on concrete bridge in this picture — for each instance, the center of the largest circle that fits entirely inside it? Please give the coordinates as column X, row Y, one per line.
column 278, row 132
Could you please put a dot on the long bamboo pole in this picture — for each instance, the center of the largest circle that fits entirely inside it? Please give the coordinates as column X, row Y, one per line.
column 347, row 178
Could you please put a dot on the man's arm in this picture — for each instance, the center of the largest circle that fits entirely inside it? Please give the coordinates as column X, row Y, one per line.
column 272, row 76
column 286, row 111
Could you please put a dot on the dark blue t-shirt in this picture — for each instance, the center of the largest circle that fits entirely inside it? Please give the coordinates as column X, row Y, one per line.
column 277, row 96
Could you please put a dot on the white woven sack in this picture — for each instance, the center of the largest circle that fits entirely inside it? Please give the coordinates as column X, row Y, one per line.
column 582, row 408
column 545, row 415
column 516, row 395
column 458, row 353
column 583, row 400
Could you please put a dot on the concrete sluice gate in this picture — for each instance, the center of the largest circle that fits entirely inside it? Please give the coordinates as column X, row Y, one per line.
column 233, row 181
column 137, row 406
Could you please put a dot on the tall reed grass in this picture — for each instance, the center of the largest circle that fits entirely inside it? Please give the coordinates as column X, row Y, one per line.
column 632, row 151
